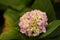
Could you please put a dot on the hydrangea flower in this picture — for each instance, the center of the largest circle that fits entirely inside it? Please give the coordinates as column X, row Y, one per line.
column 33, row 23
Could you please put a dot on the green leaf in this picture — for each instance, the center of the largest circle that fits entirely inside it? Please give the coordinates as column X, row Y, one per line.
column 46, row 6
column 54, row 34
column 51, row 27
column 9, row 32
column 11, row 29
column 16, row 4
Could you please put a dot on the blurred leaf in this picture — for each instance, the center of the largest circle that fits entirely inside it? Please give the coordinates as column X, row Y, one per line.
column 51, row 27
column 54, row 34
column 46, row 6
column 16, row 4
column 9, row 32
column 11, row 29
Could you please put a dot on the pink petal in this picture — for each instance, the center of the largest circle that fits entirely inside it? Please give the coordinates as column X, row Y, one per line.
column 44, row 30
column 22, row 31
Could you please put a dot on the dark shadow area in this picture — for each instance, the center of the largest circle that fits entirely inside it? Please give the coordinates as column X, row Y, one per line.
column 30, row 3
column 57, row 9
column 2, row 10
column 1, row 20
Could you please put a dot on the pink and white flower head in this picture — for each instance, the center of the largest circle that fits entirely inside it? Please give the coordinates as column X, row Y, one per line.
column 33, row 23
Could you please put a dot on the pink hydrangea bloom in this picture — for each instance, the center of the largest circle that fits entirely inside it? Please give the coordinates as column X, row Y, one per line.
column 33, row 23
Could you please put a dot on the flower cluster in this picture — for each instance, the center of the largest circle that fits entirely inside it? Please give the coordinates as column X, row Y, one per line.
column 33, row 23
